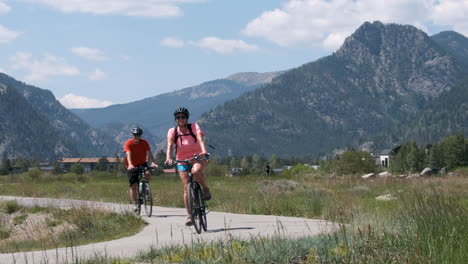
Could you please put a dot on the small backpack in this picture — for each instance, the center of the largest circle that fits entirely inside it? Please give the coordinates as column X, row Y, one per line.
column 189, row 126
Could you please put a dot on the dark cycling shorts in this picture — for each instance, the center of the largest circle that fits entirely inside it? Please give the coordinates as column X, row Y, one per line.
column 134, row 174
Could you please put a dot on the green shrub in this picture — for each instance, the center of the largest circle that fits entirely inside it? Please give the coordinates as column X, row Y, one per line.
column 11, row 206
column 77, row 168
column 351, row 162
column 34, row 174
column 215, row 169
column 298, row 170
column 4, row 233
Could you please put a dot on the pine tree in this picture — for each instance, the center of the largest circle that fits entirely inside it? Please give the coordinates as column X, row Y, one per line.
column 233, row 162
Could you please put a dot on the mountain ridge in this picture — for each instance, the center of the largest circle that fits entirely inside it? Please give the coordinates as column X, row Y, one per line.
column 87, row 141
column 382, row 73
column 155, row 113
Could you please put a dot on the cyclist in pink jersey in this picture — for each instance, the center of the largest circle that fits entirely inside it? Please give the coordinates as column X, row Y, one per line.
column 189, row 142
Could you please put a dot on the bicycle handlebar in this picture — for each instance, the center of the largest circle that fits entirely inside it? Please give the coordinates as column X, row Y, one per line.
column 142, row 168
column 195, row 157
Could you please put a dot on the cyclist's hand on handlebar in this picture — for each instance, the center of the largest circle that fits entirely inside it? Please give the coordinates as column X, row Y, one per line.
column 130, row 167
column 169, row 162
column 154, row 165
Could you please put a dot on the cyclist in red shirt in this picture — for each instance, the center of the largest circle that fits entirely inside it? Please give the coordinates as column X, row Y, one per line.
column 138, row 153
column 189, row 142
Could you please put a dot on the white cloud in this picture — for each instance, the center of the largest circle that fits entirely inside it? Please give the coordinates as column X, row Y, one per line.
column 225, row 46
column 7, row 35
column 452, row 13
column 328, row 22
column 334, row 40
column 39, row 70
column 76, row 101
column 144, row 8
column 172, row 42
column 97, row 75
column 4, row 8
column 89, row 53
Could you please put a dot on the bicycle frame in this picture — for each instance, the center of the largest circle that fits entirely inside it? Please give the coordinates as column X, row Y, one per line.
column 144, row 192
column 196, row 200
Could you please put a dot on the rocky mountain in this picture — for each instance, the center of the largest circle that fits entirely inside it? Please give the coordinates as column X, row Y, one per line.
column 27, row 133
column 446, row 116
column 381, row 74
column 156, row 113
column 454, row 43
column 86, row 140
column 120, row 133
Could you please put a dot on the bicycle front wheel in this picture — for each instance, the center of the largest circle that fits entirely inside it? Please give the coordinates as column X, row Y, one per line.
column 138, row 202
column 204, row 223
column 148, row 200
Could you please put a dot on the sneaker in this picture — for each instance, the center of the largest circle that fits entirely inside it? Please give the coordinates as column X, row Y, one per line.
column 189, row 222
column 135, row 208
column 207, row 194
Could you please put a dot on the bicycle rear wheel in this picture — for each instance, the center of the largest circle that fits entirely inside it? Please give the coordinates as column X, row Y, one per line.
column 203, row 211
column 147, row 199
column 193, row 190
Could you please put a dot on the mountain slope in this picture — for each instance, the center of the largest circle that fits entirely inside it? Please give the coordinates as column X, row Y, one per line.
column 381, row 74
column 155, row 113
column 88, row 141
column 443, row 117
column 454, row 43
column 27, row 133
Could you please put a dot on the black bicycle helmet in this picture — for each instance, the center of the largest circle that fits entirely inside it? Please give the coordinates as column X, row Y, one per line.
column 137, row 131
column 182, row 110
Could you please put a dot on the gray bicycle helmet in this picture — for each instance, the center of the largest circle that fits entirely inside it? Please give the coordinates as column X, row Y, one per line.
column 182, row 110
column 137, row 131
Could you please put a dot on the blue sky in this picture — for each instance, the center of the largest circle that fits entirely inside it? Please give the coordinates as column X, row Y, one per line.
column 94, row 53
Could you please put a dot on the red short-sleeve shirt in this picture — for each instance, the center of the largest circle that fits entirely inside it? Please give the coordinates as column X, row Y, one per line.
column 138, row 151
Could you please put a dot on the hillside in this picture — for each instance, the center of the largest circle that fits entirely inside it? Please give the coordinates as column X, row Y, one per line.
column 155, row 113
column 454, row 43
column 86, row 140
column 381, row 74
column 446, row 116
column 27, row 133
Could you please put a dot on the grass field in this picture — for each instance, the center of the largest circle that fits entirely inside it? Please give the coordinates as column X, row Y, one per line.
column 426, row 223
column 39, row 228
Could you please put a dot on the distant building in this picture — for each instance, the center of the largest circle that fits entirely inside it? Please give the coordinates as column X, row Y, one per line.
column 88, row 163
column 384, row 157
column 234, row 171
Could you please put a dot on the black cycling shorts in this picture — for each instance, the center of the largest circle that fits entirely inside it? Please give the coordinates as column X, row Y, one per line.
column 133, row 175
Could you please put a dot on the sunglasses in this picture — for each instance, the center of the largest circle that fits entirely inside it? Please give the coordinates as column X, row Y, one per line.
column 180, row 117
column 137, row 134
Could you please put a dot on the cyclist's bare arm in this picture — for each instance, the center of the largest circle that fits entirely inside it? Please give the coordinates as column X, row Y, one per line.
column 129, row 160
column 170, row 145
column 150, row 158
column 202, row 143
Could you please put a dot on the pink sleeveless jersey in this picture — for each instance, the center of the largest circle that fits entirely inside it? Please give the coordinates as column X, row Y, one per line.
column 186, row 145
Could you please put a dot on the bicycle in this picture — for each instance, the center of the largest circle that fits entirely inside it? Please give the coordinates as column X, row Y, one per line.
column 196, row 199
column 144, row 196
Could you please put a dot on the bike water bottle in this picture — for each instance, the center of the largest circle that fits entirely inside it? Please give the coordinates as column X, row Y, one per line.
column 140, row 187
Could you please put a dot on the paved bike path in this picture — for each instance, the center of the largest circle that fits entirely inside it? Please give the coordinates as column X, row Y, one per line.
column 165, row 227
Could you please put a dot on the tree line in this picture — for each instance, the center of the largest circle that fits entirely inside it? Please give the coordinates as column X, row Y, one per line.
column 451, row 152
